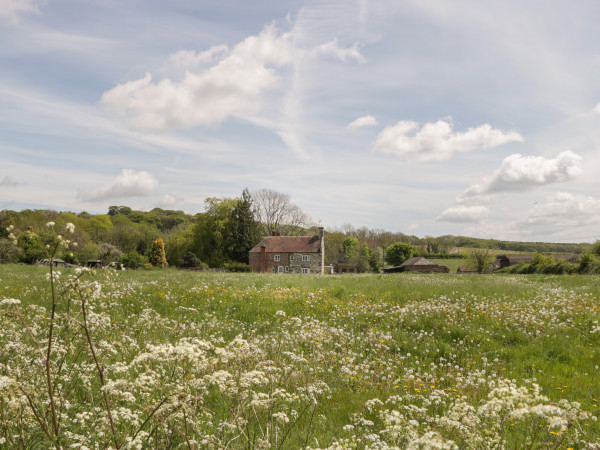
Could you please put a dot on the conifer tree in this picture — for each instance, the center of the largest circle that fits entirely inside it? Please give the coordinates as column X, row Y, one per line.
column 157, row 256
column 244, row 231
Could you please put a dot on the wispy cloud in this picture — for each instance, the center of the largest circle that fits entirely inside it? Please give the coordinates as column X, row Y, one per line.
column 463, row 214
column 436, row 141
column 11, row 9
column 365, row 121
column 9, row 182
column 332, row 48
column 129, row 184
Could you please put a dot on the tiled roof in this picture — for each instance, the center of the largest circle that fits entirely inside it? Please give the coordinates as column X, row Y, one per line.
column 290, row 244
column 418, row 261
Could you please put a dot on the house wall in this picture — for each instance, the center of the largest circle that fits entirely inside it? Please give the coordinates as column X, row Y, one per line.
column 295, row 266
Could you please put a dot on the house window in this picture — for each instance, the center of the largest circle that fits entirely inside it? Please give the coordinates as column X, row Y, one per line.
column 280, row 269
column 277, row 258
column 287, row 268
column 272, row 269
column 305, row 258
column 291, row 258
column 304, row 270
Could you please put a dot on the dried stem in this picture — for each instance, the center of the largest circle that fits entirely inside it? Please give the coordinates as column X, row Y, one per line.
column 98, row 368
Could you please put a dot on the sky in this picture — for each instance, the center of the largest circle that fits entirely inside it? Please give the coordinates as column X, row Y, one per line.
column 427, row 117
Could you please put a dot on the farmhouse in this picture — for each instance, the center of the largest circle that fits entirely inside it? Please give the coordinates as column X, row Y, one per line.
column 418, row 264
column 289, row 254
column 344, row 265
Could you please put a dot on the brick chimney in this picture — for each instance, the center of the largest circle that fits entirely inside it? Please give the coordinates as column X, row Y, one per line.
column 322, row 238
column 275, row 233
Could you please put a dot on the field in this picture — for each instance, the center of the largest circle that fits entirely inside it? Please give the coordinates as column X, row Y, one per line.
column 172, row 359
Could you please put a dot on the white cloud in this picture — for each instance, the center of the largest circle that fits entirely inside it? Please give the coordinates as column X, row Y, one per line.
column 232, row 87
column 436, row 141
column 11, row 9
column 365, row 121
column 129, row 184
column 562, row 211
column 332, row 48
column 521, row 173
column 167, row 201
column 189, row 58
column 463, row 214
column 597, row 108
column 9, row 182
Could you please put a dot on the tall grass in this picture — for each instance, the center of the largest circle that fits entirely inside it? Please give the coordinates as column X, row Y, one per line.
column 216, row 360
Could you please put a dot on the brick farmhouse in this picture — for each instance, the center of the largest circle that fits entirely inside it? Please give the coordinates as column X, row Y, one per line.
column 289, row 254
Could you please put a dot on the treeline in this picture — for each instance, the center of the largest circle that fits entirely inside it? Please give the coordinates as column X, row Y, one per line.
column 221, row 236
column 589, row 263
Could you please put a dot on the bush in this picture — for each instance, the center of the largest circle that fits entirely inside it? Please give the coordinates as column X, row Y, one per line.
column 157, row 257
column 9, row 252
column 238, row 267
column 190, row 260
column 133, row 260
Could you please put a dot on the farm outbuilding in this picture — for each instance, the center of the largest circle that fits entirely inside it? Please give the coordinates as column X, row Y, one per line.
column 418, row 264
column 511, row 260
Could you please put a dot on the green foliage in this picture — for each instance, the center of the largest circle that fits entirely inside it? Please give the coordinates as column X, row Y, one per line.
column 397, row 253
column 133, row 260
column 212, row 231
column 10, row 253
column 157, row 255
column 238, row 267
column 33, row 249
column 479, row 259
column 243, row 233
column 108, row 253
column 190, row 260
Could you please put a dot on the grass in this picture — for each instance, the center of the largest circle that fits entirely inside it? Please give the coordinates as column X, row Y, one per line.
column 290, row 360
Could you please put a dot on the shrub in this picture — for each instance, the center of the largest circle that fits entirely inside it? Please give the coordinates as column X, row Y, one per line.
column 238, row 267
column 157, row 257
column 190, row 260
column 133, row 260
column 9, row 252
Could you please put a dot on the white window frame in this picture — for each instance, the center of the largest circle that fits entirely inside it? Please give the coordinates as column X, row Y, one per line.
column 291, row 258
column 280, row 269
column 287, row 269
column 305, row 258
column 305, row 270
column 277, row 258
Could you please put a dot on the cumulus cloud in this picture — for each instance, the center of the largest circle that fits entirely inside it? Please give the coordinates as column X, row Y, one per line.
column 129, row 184
column 365, row 121
column 562, row 210
column 167, row 201
column 597, row 108
column 188, row 59
column 218, row 83
column 463, row 214
column 9, row 182
column 332, row 48
column 233, row 86
column 521, row 173
column 11, row 9
column 436, row 141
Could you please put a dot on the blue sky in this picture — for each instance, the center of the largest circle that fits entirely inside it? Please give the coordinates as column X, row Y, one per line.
column 427, row 117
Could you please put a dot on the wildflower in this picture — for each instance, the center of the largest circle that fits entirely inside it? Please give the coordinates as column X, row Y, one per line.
column 10, row 301
column 70, row 227
column 50, row 224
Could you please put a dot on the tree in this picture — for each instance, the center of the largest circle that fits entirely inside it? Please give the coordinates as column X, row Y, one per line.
column 397, row 253
column 479, row 259
column 349, row 247
column 157, row 256
column 275, row 211
column 211, row 231
column 243, row 233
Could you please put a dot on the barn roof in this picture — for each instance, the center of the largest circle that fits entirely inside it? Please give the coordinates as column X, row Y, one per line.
column 418, row 261
column 289, row 244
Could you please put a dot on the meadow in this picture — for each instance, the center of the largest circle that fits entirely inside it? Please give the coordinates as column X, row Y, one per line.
column 175, row 359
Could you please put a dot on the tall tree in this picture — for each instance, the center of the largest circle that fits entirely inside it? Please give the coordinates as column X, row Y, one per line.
column 243, row 232
column 275, row 211
column 157, row 255
column 397, row 253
